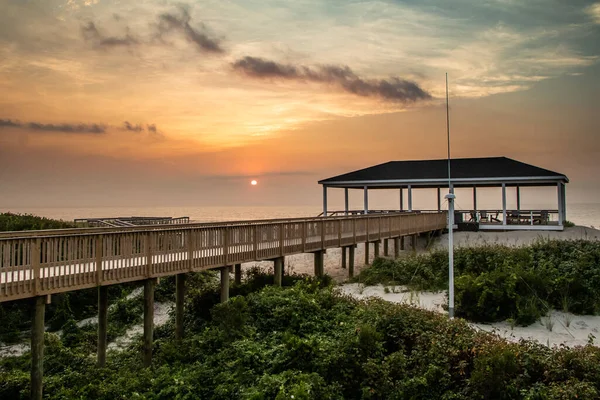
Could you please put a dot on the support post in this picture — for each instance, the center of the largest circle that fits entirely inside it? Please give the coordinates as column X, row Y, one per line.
column 344, row 250
column 224, row 284
column 366, row 200
column 518, row 198
column 386, row 247
column 439, row 199
column 401, row 199
column 402, row 244
column 559, row 204
column 324, row 200
column 148, row 320
column 504, row 204
column 237, row 273
column 563, row 189
column 413, row 242
column 37, row 347
column 278, row 269
column 351, row 261
column 179, row 304
column 102, row 324
column 318, row 264
column 410, row 198
column 376, row 249
column 474, row 198
column 366, row 253
column 346, row 201
column 396, row 247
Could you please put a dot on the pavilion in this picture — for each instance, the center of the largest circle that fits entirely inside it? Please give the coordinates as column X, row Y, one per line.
column 474, row 173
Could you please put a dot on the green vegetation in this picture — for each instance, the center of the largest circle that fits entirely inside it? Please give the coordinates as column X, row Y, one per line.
column 27, row 222
column 309, row 342
column 495, row 282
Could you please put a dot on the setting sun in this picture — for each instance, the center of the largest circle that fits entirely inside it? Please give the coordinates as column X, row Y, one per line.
column 254, row 183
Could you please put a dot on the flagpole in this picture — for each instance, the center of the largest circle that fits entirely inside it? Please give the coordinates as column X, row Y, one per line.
column 450, row 197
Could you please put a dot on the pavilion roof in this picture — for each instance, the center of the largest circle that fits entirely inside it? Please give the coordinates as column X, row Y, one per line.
column 487, row 171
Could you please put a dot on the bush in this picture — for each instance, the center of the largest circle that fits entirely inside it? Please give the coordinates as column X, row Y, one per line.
column 498, row 282
column 27, row 222
column 310, row 342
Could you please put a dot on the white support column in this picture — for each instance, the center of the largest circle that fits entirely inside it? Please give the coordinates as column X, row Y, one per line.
column 504, row 204
column 518, row 198
column 474, row 198
column 324, row 200
column 366, row 200
column 439, row 200
column 564, row 200
column 346, row 201
column 560, row 203
column 410, row 198
column 401, row 199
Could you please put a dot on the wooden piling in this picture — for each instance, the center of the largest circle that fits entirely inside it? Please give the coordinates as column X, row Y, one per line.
column 224, row 284
column 278, row 270
column 351, row 261
column 319, row 261
column 102, row 324
column 402, row 243
column 396, row 247
column 413, row 240
column 344, row 251
column 37, row 347
column 376, row 248
column 148, row 320
column 366, row 253
column 179, row 305
column 386, row 247
column 237, row 274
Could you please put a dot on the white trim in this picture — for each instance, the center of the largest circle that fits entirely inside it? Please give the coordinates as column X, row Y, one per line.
column 508, row 180
column 498, row 227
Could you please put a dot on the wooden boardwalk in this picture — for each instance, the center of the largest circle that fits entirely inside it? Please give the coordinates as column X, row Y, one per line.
column 36, row 263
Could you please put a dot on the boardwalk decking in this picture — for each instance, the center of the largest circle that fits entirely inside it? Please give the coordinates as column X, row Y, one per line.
column 37, row 263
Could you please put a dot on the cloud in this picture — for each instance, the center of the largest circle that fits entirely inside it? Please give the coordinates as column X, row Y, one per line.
column 133, row 128
column 91, row 33
column 393, row 89
column 79, row 128
column 594, row 12
column 64, row 128
column 150, row 128
column 169, row 22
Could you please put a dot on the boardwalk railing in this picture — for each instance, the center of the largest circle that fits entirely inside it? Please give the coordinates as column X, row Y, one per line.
column 35, row 263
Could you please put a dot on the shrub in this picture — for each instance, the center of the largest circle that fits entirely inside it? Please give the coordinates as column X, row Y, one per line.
column 495, row 282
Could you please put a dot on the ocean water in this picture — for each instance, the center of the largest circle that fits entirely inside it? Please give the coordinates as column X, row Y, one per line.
column 581, row 214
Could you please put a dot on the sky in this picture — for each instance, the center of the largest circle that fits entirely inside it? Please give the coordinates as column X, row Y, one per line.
column 160, row 103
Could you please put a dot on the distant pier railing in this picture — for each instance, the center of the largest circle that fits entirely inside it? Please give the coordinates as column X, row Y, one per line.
column 131, row 221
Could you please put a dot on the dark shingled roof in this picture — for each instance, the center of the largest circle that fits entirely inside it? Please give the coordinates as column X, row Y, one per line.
column 461, row 168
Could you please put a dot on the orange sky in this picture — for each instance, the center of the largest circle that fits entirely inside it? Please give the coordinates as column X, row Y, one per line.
column 158, row 103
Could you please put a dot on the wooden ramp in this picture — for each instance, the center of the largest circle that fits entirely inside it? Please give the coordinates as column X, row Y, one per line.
column 36, row 263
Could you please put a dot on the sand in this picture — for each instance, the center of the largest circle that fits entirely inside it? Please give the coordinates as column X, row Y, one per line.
column 515, row 238
column 558, row 328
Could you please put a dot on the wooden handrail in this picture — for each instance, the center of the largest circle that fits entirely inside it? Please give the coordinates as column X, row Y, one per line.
column 38, row 263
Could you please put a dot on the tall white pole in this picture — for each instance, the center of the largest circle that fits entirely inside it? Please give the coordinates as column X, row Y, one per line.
column 450, row 197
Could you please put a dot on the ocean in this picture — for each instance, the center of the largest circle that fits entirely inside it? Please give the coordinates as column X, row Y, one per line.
column 587, row 214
